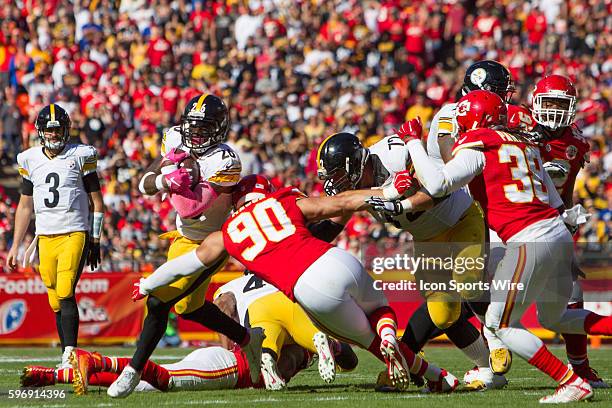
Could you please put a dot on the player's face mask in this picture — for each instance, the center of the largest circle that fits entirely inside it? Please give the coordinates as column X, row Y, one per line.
column 54, row 139
column 554, row 111
column 335, row 182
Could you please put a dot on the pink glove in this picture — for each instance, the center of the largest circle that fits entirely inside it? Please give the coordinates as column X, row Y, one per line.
column 402, row 182
column 178, row 181
column 136, row 293
column 411, row 130
column 176, row 156
column 191, row 204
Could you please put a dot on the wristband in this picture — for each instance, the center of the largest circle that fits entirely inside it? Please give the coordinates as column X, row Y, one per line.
column 406, row 205
column 96, row 228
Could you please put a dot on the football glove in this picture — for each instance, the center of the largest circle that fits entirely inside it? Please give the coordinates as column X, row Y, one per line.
column 557, row 172
column 402, row 182
column 411, row 130
column 137, row 293
column 378, row 204
column 178, row 180
column 176, row 156
column 93, row 255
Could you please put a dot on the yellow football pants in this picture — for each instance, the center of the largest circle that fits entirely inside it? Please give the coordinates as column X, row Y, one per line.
column 190, row 291
column 283, row 321
column 62, row 258
column 464, row 242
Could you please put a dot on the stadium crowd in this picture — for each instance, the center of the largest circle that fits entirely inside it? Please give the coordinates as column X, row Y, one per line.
column 291, row 73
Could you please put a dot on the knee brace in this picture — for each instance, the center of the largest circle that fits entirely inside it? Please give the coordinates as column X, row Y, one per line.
column 444, row 309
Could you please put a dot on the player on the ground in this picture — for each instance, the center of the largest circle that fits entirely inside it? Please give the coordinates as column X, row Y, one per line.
column 506, row 175
column 61, row 187
column 200, row 136
column 268, row 235
column 255, row 303
column 454, row 227
column 564, row 151
column 209, row 368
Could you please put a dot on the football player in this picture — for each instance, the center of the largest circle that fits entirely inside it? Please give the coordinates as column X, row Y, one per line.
column 209, row 368
column 61, row 186
column 454, row 227
column 520, row 202
column 564, row 151
column 255, row 303
column 490, row 76
column 269, row 229
column 201, row 136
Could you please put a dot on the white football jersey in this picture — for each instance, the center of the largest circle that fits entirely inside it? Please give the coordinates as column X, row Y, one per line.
column 444, row 124
column 220, row 165
column 61, row 203
column 390, row 156
column 246, row 290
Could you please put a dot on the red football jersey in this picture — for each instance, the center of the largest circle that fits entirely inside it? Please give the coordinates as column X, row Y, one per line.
column 511, row 189
column 269, row 237
column 571, row 151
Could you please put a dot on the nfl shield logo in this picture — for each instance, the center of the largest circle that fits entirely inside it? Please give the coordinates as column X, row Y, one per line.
column 12, row 315
column 571, row 152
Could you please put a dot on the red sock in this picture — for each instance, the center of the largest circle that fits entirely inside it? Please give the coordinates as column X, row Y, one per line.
column 104, row 379
column 63, row 375
column 546, row 362
column 156, row 375
column 576, row 344
column 383, row 321
column 597, row 324
column 374, row 348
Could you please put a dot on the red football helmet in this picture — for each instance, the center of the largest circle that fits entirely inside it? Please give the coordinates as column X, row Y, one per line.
column 480, row 109
column 251, row 188
column 553, row 102
column 519, row 117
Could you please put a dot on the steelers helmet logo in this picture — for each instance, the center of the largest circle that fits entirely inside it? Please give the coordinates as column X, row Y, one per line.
column 478, row 76
column 571, row 152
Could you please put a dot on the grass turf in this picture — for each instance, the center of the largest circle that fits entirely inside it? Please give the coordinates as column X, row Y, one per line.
column 353, row 389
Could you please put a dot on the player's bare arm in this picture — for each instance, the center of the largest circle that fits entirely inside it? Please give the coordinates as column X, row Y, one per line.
column 340, row 205
column 23, row 215
column 446, row 143
column 147, row 184
column 226, row 302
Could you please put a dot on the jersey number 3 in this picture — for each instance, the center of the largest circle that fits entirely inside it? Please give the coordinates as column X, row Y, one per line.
column 52, row 179
column 528, row 171
column 257, row 225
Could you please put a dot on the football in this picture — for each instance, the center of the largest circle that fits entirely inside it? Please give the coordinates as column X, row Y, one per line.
column 191, row 165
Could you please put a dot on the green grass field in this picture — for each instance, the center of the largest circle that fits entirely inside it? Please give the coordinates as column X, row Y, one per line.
column 307, row 390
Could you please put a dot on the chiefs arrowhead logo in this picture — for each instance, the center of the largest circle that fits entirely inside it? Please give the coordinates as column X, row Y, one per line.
column 463, row 108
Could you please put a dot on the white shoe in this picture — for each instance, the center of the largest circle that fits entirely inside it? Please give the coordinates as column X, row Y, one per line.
column 124, row 384
column 65, row 363
column 446, row 383
column 482, row 378
column 577, row 390
column 252, row 351
column 327, row 363
column 397, row 367
column 269, row 371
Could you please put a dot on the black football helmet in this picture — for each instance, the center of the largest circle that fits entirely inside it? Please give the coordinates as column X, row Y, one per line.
column 205, row 122
column 53, row 119
column 340, row 160
column 489, row 76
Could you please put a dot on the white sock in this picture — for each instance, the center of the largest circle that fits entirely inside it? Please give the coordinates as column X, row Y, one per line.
column 171, row 271
column 477, row 352
column 492, row 339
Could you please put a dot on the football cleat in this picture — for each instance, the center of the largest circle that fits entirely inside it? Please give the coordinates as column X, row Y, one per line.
column 577, row 390
column 125, row 384
column 82, row 364
column 500, row 360
column 397, row 367
column 269, row 371
column 37, row 376
column 252, row 352
column 384, row 384
column 482, row 378
column 327, row 364
column 585, row 371
column 446, row 383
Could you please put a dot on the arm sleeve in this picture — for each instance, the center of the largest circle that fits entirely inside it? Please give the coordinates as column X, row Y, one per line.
column 554, row 199
column 191, row 204
column 27, row 188
column 91, row 182
column 442, row 180
column 325, row 230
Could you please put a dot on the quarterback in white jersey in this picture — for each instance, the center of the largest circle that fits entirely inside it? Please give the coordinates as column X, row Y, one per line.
column 199, row 138
column 59, row 185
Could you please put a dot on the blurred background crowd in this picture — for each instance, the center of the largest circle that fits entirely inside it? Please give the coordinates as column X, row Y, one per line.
column 291, row 72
